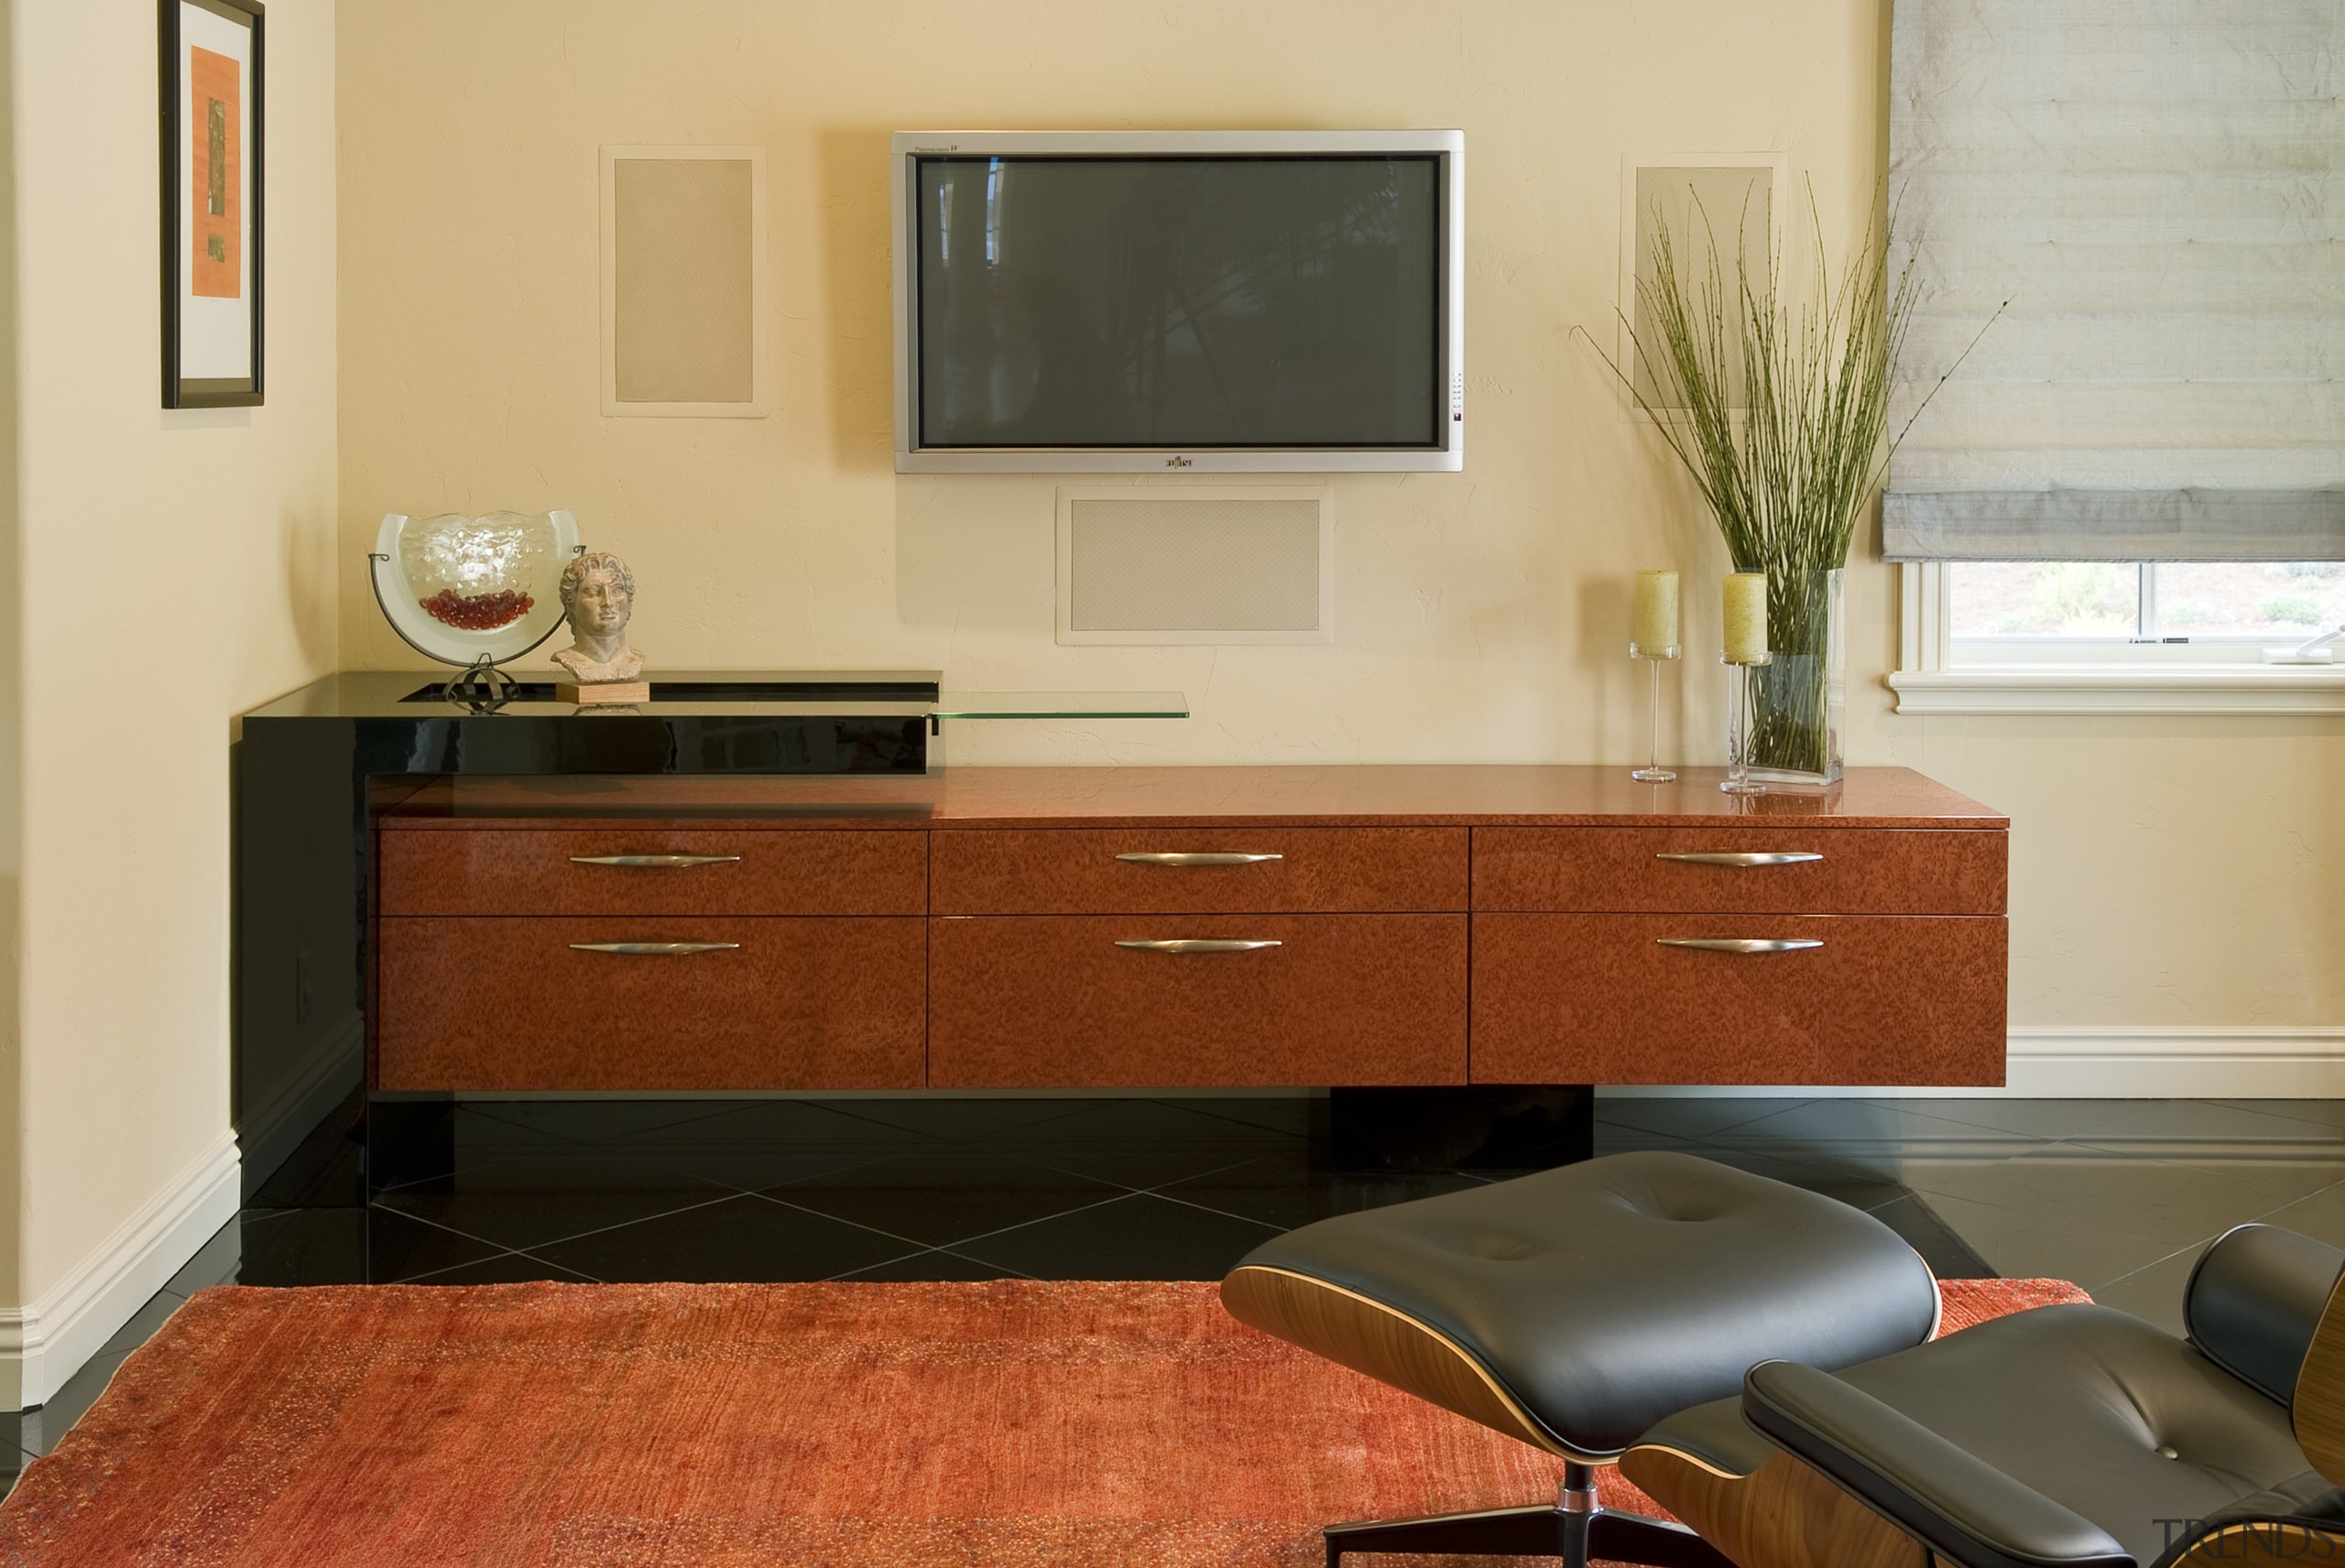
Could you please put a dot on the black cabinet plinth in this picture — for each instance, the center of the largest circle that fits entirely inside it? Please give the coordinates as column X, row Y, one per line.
column 1480, row 1126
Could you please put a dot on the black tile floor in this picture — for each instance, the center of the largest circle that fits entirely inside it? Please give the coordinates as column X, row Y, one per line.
column 2119, row 1195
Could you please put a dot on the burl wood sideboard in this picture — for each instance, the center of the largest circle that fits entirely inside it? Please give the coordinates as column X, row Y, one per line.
column 1157, row 928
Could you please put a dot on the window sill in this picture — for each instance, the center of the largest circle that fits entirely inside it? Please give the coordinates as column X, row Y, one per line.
column 2179, row 688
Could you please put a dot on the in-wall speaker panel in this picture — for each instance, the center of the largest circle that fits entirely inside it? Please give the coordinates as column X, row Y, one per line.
column 1208, row 564
column 683, row 280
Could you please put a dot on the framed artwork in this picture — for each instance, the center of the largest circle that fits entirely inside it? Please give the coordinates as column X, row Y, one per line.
column 211, row 103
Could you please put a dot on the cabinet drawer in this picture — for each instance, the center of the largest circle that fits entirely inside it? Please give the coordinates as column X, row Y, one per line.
column 510, row 1004
column 1033, row 1000
column 524, row 871
column 1078, row 871
column 1597, row 999
column 1859, row 871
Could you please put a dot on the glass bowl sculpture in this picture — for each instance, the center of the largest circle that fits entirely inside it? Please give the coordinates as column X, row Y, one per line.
column 473, row 591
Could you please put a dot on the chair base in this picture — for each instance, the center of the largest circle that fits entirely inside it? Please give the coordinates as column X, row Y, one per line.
column 1545, row 1530
column 1575, row 1529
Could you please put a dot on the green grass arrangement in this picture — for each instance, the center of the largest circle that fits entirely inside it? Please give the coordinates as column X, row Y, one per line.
column 1789, row 465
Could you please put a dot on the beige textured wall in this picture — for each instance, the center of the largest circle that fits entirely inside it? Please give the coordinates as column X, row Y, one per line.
column 1482, row 615
column 2170, row 873
column 175, row 569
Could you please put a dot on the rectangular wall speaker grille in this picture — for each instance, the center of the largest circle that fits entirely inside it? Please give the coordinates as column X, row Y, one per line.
column 681, row 274
column 1719, row 208
column 1223, row 565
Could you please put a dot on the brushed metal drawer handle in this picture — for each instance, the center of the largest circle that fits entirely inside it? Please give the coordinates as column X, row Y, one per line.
column 654, row 949
column 654, row 861
column 1742, row 943
column 1198, row 944
column 1743, row 857
column 1196, row 857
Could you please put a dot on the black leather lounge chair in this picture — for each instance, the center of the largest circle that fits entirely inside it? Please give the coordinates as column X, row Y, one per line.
column 2065, row 1437
column 1640, row 1309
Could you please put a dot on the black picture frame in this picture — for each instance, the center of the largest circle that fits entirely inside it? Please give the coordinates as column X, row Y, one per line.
column 180, row 390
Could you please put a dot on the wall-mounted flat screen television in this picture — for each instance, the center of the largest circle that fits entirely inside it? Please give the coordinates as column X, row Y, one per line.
column 1139, row 301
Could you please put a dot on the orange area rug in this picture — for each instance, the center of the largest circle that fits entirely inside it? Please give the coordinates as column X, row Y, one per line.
column 1010, row 1423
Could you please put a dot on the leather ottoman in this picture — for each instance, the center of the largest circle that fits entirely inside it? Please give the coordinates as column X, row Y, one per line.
column 1575, row 1307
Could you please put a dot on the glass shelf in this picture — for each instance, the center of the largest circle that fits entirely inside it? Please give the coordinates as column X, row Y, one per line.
column 1061, row 706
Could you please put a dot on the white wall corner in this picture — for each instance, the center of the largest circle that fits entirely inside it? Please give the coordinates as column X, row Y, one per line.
column 48, row 1340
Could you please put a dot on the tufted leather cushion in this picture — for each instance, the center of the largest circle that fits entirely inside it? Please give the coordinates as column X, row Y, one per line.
column 2076, row 1402
column 1604, row 1295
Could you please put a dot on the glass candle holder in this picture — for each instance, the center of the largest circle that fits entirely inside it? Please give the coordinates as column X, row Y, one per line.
column 1652, row 772
column 1739, row 694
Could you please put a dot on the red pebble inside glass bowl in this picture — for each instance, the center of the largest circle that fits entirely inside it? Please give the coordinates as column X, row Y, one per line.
column 478, row 612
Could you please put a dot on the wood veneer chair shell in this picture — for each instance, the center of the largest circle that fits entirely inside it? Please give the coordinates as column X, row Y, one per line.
column 1779, row 1516
column 2316, row 1410
column 1389, row 1345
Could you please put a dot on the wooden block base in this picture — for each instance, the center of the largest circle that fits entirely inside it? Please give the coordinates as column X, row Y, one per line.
column 592, row 694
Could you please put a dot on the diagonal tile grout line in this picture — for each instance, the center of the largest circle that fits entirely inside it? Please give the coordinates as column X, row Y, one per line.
column 550, row 1263
column 1045, row 1219
column 425, row 1278
column 1224, row 1214
column 913, row 1242
column 506, row 1162
column 885, row 1262
column 576, row 1276
column 811, row 1176
column 2262, row 1108
column 2190, row 1246
column 1126, row 1187
column 722, row 1197
column 2292, row 1202
column 981, row 1263
column 847, row 1275
column 1782, row 1106
column 1198, row 1108
column 799, row 1182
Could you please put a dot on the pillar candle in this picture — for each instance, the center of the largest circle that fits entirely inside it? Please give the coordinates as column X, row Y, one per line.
column 1746, row 617
column 1656, row 618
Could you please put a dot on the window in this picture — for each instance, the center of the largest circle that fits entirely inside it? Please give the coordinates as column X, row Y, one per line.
column 2248, row 605
column 2093, row 637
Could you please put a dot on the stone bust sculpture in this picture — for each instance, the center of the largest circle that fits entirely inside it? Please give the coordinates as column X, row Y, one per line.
column 598, row 595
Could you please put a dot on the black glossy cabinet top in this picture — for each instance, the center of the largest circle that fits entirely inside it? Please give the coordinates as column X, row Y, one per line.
column 696, row 722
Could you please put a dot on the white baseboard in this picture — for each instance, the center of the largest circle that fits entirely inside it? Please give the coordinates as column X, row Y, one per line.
column 43, row 1343
column 2088, row 1062
column 2073, row 1061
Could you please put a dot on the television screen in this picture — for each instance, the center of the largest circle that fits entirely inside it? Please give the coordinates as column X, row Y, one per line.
column 1290, row 301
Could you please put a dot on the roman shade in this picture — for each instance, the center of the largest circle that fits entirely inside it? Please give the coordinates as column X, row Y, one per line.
column 2154, row 186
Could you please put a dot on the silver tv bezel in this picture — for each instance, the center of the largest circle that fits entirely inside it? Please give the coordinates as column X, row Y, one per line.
column 905, row 148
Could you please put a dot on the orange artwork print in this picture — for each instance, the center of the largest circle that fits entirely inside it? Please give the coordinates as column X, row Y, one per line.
column 215, row 193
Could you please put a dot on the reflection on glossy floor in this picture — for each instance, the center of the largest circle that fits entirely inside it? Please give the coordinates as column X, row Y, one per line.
column 2119, row 1195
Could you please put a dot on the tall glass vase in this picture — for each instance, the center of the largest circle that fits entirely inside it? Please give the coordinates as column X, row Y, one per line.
column 1800, row 696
